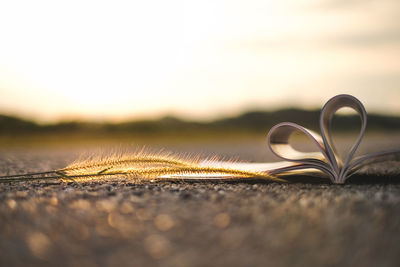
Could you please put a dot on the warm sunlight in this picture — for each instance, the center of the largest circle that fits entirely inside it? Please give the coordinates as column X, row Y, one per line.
column 199, row 133
column 128, row 59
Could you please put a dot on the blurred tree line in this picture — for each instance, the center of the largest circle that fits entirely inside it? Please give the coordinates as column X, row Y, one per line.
column 250, row 122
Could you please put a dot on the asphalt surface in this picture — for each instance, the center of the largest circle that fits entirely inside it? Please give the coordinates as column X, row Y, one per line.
column 122, row 223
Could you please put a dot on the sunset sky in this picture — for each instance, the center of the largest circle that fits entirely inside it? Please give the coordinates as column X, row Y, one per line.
column 116, row 60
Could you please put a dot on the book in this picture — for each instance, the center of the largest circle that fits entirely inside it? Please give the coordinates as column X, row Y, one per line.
column 327, row 160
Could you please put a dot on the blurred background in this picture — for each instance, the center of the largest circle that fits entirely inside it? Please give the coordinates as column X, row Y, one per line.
column 177, row 70
column 90, row 78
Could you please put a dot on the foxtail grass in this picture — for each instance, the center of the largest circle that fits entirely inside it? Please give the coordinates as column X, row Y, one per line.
column 138, row 167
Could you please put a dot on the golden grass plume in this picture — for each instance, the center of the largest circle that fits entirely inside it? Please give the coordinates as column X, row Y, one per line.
column 140, row 166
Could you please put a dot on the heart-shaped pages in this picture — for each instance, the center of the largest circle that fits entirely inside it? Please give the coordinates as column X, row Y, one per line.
column 326, row 160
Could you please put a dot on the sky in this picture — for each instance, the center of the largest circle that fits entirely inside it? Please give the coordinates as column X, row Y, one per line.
column 118, row 60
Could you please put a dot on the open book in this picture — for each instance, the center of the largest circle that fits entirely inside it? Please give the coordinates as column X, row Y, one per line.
column 166, row 167
column 326, row 160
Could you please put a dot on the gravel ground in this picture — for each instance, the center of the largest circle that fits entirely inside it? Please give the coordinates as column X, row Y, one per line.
column 120, row 223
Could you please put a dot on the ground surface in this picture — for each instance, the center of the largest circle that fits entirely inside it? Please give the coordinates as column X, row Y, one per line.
column 193, row 224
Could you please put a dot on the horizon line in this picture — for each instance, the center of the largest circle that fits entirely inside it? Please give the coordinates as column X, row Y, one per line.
column 166, row 115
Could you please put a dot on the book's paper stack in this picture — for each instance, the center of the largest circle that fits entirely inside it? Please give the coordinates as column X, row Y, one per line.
column 326, row 160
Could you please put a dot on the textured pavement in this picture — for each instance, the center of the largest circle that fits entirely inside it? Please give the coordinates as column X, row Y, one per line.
column 121, row 223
